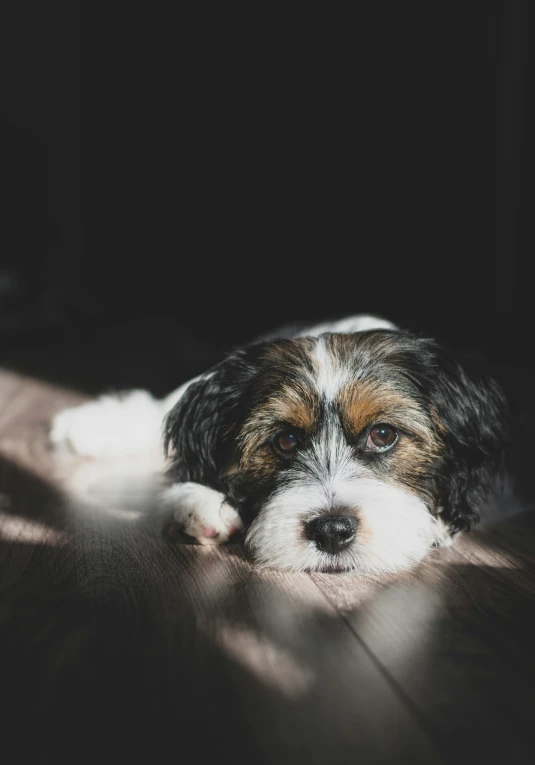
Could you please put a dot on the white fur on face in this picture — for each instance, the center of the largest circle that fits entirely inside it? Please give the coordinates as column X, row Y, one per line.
column 330, row 375
column 395, row 529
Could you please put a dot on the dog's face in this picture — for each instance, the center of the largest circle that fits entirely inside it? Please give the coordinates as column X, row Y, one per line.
column 349, row 451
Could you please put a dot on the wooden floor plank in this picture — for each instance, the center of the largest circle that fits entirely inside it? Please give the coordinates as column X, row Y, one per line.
column 445, row 634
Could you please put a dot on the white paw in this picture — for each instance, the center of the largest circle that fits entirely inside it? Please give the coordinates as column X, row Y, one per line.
column 111, row 426
column 202, row 513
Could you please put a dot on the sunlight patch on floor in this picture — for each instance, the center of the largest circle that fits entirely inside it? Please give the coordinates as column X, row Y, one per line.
column 15, row 528
column 271, row 664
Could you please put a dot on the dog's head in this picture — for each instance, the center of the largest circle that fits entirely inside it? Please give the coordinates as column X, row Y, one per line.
column 349, row 451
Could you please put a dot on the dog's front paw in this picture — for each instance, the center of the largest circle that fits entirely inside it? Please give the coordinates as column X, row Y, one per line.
column 202, row 513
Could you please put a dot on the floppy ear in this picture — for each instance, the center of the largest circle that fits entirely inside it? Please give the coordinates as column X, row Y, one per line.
column 472, row 421
column 196, row 430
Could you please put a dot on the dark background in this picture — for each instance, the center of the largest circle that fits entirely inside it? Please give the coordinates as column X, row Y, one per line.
column 176, row 184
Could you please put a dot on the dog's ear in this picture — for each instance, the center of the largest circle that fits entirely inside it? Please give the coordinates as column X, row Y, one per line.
column 197, row 431
column 472, row 420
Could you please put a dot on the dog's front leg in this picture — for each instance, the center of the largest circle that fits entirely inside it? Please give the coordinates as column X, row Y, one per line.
column 202, row 513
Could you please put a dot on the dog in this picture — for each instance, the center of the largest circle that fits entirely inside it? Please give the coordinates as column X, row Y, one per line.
column 345, row 446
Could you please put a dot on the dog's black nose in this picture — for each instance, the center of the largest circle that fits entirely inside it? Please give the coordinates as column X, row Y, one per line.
column 332, row 533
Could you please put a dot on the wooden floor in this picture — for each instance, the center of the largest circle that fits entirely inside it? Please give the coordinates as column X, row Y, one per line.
column 119, row 644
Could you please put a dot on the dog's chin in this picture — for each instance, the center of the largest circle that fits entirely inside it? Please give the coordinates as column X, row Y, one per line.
column 334, row 567
column 361, row 565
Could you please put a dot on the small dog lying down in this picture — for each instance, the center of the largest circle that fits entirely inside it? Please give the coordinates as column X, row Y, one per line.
column 347, row 446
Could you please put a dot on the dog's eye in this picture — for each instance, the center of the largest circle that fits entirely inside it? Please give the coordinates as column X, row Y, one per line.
column 381, row 437
column 286, row 442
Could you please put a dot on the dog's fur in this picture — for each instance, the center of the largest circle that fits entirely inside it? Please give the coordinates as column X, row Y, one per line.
column 282, row 436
